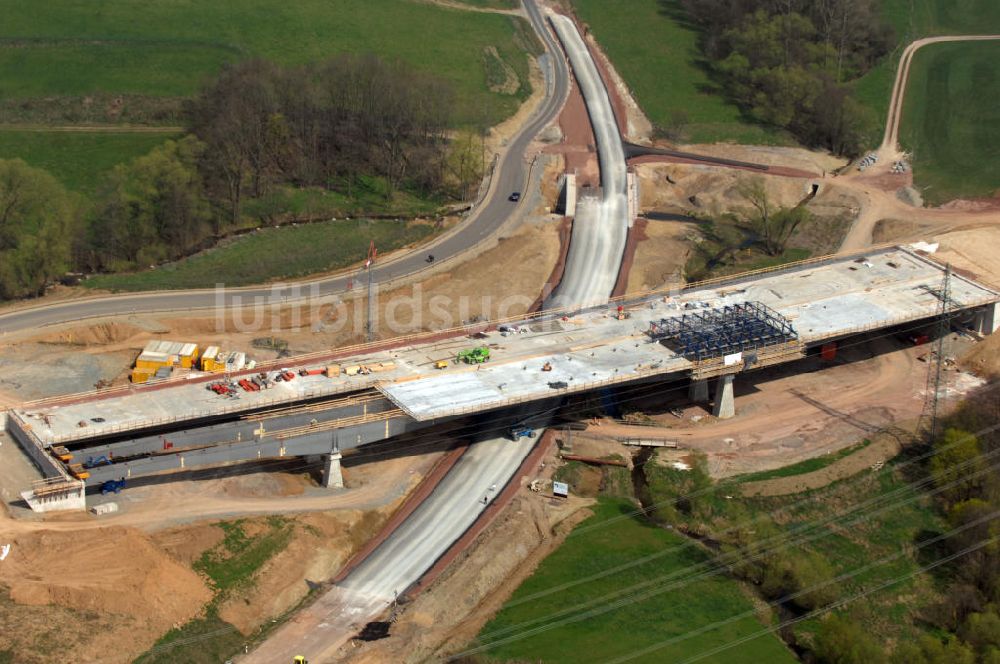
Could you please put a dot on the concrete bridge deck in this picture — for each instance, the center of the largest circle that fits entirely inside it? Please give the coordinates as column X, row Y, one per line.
column 824, row 300
column 182, row 425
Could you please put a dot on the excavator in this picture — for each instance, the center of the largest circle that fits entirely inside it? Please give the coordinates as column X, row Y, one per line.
column 474, row 355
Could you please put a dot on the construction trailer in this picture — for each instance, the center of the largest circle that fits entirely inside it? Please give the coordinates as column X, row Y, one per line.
column 213, row 360
column 159, row 357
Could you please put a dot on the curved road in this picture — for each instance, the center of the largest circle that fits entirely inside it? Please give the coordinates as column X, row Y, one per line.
column 890, row 140
column 875, row 203
column 510, row 175
column 600, row 228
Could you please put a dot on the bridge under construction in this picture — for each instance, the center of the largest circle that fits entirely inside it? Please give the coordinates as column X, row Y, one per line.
column 709, row 331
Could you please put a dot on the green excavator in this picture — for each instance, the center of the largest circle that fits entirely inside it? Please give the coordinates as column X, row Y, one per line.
column 474, row 355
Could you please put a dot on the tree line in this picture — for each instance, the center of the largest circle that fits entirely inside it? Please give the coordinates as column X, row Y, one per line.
column 958, row 624
column 788, row 63
column 255, row 127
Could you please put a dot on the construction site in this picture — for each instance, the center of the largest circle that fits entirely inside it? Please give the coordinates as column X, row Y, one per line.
column 328, row 403
column 416, row 478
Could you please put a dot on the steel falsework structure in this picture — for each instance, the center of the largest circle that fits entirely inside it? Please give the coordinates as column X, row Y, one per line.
column 733, row 328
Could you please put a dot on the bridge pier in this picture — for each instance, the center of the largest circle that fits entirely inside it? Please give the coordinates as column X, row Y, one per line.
column 333, row 478
column 987, row 320
column 698, row 390
column 725, row 404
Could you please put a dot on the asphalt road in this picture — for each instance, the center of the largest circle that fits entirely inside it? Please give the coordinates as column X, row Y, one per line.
column 511, row 175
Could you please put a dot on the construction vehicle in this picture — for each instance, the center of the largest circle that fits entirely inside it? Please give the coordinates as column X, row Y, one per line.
column 474, row 355
column 441, row 364
column 91, row 462
column 299, row 659
column 621, row 314
column 77, row 471
column 112, row 486
column 519, row 431
column 547, row 366
column 61, row 453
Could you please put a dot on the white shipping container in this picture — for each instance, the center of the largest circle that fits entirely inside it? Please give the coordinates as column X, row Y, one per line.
column 104, row 508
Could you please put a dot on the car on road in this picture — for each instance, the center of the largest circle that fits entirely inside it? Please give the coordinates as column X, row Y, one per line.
column 514, row 197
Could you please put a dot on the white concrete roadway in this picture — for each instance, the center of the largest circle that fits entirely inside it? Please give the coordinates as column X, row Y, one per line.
column 319, row 630
column 601, row 226
column 414, row 547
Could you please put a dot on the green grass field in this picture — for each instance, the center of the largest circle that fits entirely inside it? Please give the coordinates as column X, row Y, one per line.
column 66, row 47
column 951, row 120
column 656, row 53
column 923, row 18
column 78, row 159
column 913, row 19
column 803, row 467
column 637, row 624
column 269, row 254
column 74, row 67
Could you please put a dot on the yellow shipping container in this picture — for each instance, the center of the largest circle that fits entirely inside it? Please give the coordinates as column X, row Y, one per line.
column 213, row 360
column 189, row 355
column 142, row 375
column 152, row 360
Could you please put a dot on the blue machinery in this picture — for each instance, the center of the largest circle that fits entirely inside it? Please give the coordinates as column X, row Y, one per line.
column 733, row 328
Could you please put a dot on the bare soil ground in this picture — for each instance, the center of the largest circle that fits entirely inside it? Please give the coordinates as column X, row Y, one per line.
column 660, row 255
column 126, row 579
column 503, row 281
column 984, row 358
column 783, row 417
column 974, row 250
column 708, row 190
column 119, row 589
column 884, row 446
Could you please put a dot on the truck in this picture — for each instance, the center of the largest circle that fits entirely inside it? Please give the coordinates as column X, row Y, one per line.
column 519, row 431
column 92, row 462
column 113, row 486
column 474, row 355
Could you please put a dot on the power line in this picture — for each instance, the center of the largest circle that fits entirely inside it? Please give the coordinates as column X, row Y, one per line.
column 817, row 612
column 639, row 592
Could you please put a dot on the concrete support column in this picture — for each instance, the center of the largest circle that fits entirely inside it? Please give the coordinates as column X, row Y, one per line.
column 332, row 476
column 698, row 390
column 987, row 319
column 725, row 405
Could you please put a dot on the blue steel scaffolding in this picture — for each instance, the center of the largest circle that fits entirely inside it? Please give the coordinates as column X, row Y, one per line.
column 733, row 328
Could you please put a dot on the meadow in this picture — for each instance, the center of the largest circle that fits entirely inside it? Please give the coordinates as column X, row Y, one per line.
column 655, row 50
column 639, row 622
column 272, row 253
